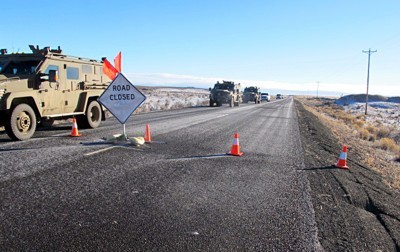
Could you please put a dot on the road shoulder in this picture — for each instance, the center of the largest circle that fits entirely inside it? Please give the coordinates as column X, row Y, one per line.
column 354, row 209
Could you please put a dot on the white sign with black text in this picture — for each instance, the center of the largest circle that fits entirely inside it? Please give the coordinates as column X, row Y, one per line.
column 121, row 98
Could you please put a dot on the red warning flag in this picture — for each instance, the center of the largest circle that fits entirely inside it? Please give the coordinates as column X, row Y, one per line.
column 109, row 69
column 118, row 62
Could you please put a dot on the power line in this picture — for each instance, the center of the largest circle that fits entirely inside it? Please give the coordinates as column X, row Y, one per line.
column 369, row 58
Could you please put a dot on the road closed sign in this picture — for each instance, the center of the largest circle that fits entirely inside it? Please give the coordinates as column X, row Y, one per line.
column 121, row 98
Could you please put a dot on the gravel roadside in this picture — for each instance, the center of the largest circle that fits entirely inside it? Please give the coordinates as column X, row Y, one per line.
column 355, row 210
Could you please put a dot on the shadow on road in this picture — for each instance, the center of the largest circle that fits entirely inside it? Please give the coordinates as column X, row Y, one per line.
column 17, row 149
column 331, row 167
column 53, row 128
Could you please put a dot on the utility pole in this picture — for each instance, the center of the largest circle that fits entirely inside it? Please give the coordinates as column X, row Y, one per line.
column 317, row 88
column 369, row 57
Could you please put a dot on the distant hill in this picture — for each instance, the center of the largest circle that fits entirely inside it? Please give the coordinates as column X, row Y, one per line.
column 395, row 99
column 350, row 99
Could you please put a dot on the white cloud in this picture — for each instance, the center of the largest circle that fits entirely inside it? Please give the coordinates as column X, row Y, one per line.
column 167, row 79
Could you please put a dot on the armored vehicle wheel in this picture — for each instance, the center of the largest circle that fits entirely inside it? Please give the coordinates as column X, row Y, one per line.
column 22, row 123
column 231, row 103
column 92, row 119
column 211, row 103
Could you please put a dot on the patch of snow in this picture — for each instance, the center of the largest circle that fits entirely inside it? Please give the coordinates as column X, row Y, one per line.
column 173, row 98
column 384, row 113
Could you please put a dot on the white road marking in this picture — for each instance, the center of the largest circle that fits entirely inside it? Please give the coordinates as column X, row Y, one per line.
column 109, row 148
column 99, row 151
column 221, row 116
column 201, row 157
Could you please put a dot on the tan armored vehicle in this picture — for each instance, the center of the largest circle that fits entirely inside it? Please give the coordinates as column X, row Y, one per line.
column 46, row 85
column 252, row 94
column 225, row 92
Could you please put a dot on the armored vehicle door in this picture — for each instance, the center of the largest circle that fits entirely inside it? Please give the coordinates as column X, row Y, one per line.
column 51, row 94
column 72, row 86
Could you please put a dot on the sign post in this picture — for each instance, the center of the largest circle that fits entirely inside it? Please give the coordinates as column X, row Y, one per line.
column 121, row 98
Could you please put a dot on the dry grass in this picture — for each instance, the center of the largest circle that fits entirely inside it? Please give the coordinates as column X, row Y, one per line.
column 383, row 132
column 377, row 145
column 388, row 144
column 371, row 129
column 364, row 134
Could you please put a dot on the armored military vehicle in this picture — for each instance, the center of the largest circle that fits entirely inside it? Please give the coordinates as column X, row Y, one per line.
column 252, row 94
column 46, row 85
column 225, row 92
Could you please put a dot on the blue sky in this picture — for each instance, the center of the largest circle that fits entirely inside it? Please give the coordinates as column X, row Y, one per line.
column 278, row 45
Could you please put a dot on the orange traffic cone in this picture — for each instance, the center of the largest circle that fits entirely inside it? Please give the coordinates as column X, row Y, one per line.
column 147, row 134
column 74, row 132
column 235, row 150
column 342, row 163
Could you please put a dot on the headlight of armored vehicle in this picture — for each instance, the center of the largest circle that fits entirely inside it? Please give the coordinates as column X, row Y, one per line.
column 2, row 92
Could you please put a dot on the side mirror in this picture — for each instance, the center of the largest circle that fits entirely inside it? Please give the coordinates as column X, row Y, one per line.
column 209, row 89
column 52, row 75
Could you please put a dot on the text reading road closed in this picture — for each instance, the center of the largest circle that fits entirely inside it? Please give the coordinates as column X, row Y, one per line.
column 121, row 97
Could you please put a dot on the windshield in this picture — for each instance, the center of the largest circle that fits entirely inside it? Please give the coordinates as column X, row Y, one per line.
column 251, row 89
column 18, row 67
column 224, row 86
column 2, row 64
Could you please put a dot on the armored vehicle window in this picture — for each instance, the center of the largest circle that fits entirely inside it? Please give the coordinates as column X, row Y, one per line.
column 86, row 69
column 250, row 89
column 52, row 67
column 2, row 64
column 72, row 73
column 20, row 67
column 224, row 86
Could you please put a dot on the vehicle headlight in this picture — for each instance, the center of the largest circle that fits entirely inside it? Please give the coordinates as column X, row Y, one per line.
column 2, row 92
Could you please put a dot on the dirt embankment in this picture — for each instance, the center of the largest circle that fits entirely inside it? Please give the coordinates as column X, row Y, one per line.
column 354, row 209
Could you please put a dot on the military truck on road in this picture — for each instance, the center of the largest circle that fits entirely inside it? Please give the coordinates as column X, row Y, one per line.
column 225, row 92
column 46, row 85
column 252, row 94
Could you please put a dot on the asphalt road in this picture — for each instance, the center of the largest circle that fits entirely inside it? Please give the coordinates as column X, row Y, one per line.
column 180, row 193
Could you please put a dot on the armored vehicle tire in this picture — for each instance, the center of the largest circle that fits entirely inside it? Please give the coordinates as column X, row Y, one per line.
column 231, row 103
column 92, row 118
column 211, row 103
column 22, row 123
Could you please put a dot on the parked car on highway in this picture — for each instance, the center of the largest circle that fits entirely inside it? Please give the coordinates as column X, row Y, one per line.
column 265, row 97
column 279, row 96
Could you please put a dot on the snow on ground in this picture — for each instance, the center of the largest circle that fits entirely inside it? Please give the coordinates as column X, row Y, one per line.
column 383, row 113
column 173, row 98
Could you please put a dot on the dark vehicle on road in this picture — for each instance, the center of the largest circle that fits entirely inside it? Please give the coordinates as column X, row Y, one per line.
column 225, row 92
column 252, row 94
column 279, row 96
